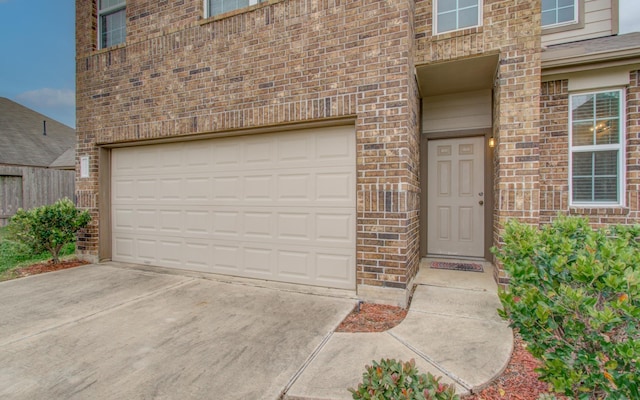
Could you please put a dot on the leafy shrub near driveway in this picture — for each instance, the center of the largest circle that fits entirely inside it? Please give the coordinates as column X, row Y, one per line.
column 391, row 379
column 574, row 297
column 48, row 228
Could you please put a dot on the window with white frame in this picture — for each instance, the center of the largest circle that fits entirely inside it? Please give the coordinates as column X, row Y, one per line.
column 452, row 15
column 559, row 12
column 597, row 148
column 215, row 7
column 112, row 18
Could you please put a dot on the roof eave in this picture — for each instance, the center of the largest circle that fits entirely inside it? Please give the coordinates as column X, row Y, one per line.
column 591, row 61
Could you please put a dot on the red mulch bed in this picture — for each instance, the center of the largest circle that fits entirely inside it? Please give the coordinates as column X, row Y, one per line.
column 45, row 267
column 372, row 318
column 519, row 381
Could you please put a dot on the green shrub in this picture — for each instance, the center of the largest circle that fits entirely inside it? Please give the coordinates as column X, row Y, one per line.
column 48, row 228
column 574, row 297
column 391, row 379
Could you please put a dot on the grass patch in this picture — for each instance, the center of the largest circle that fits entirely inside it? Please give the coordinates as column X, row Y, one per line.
column 14, row 255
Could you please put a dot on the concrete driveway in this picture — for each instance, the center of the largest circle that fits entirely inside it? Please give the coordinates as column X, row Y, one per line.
column 114, row 332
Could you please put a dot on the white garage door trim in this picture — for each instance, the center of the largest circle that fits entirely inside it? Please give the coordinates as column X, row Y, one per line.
column 277, row 206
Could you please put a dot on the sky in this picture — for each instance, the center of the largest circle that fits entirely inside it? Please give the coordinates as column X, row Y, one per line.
column 37, row 53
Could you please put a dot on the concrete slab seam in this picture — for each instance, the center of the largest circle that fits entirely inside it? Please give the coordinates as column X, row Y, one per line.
column 305, row 364
column 433, row 362
column 101, row 311
column 457, row 316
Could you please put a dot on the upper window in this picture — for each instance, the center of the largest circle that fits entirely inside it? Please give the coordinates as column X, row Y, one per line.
column 559, row 12
column 596, row 148
column 112, row 19
column 215, row 7
column 452, row 15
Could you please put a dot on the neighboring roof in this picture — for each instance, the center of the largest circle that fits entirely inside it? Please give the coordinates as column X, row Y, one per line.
column 610, row 49
column 66, row 161
column 21, row 136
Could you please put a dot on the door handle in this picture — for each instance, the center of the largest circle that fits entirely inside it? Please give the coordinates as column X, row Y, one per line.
column 481, row 202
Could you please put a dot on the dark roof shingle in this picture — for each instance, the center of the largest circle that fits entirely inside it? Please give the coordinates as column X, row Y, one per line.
column 21, row 136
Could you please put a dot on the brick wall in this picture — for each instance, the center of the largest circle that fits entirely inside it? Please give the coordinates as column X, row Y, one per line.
column 276, row 63
column 554, row 158
column 554, row 149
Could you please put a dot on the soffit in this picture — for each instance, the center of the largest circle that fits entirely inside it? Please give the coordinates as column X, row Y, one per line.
column 457, row 76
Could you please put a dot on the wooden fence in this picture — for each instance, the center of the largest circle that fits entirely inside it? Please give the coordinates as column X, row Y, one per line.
column 28, row 187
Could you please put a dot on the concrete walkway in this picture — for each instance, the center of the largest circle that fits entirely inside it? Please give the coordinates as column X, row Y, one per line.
column 118, row 331
column 452, row 330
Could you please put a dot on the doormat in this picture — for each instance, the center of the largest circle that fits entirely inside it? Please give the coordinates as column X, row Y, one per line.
column 457, row 266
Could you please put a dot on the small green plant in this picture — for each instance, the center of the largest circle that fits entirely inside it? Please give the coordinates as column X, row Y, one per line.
column 397, row 380
column 574, row 296
column 48, row 228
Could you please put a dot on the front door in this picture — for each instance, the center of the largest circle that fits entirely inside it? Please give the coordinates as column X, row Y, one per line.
column 456, row 197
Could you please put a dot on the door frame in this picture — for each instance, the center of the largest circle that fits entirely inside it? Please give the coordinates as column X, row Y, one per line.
column 488, row 184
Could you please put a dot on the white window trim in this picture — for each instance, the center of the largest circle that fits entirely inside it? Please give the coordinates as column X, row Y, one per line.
column 435, row 19
column 575, row 20
column 621, row 147
column 207, row 11
column 106, row 11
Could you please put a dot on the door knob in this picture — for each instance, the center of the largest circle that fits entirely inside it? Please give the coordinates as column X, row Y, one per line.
column 481, row 202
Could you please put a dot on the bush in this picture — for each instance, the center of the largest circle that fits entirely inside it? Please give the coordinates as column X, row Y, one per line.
column 391, row 379
column 574, row 297
column 48, row 228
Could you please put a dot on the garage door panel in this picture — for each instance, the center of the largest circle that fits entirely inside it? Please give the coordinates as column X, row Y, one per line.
column 335, row 228
column 258, row 225
column 335, row 146
column 124, row 189
column 170, row 221
column 274, row 206
column 226, row 259
column 332, row 268
column 124, row 248
column 259, row 188
column 169, row 252
column 227, row 188
column 197, row 189
column 294, row 226
column 294, row 149
column 294, row 264
column 146, row 250
column 123, row 220
column 294, row 187
column 226, row 223
column 258, row 152
column 197, row 256
column 197, row 222
column 147, row 220
column 258, row 262
column 146, row 189
column 335, row 187
column 172, row 158
column 226, row 155
column 198, row 156
column 170, row 189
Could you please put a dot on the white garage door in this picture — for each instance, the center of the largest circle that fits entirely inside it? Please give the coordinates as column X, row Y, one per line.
column 271, row 206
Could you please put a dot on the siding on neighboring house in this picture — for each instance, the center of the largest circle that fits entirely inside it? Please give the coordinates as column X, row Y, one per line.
column 598, row 18
column 28, row 187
